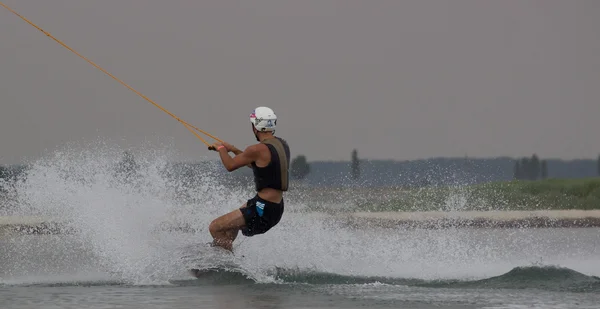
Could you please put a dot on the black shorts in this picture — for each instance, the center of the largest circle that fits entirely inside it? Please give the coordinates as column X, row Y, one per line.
column 260, row 215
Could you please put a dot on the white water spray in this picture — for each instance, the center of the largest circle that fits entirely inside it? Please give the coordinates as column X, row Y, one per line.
column 125, row 226
column 121, row 215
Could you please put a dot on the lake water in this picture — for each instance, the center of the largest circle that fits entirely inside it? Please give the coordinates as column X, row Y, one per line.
column 467, row 268
column 121, row 254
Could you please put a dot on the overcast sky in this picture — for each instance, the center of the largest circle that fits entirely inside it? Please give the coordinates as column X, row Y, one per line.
column 395, row 79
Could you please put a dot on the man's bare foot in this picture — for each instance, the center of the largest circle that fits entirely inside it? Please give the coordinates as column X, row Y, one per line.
column 213, row 244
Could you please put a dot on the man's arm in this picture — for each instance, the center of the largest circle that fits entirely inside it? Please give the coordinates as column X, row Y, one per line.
column 249, row 155
column 237, row 152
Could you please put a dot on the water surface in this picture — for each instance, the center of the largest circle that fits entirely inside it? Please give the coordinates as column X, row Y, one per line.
column 121, row 253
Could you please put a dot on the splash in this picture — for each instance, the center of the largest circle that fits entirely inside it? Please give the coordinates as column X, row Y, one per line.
column 119, row 208
column 144, row 221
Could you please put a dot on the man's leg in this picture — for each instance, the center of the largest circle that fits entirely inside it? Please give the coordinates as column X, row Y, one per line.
column 224, row 229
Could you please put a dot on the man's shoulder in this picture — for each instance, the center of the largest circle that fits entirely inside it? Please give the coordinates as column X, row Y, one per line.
column 257, row 148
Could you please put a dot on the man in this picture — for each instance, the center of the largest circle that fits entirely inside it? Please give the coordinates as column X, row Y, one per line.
column 269, row 160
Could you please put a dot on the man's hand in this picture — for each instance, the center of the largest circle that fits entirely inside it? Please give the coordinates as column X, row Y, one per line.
column 216, row 146
column 229, row 147
column 232, row 148
column 244, row 158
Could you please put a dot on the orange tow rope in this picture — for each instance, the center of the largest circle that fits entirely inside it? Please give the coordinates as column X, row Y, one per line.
column 187, row 125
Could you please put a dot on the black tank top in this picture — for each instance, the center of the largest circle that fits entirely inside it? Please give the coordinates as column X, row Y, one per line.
column 275, row 174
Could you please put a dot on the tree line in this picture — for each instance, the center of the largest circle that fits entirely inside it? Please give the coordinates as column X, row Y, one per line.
column 526, row 168
column 531, row 168
column 300, row 168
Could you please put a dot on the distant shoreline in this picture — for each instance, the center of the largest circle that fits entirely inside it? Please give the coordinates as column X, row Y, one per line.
column 406, row 220
column 545, row 194
column 476, row 219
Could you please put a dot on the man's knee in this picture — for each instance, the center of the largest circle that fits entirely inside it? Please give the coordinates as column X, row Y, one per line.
column 230, row 221
column 214, row 228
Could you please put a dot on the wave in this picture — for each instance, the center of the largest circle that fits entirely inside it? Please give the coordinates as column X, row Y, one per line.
column 552, row 278
column 548, row 278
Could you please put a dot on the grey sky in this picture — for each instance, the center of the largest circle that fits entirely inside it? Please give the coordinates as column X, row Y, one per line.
column 394, row 79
